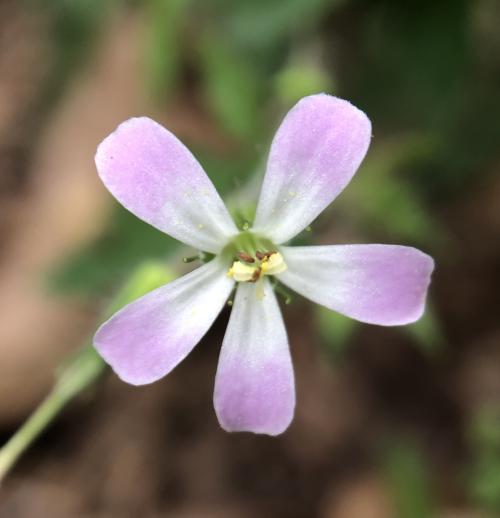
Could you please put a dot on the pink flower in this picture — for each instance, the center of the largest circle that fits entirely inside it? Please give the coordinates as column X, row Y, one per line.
column 314, row 155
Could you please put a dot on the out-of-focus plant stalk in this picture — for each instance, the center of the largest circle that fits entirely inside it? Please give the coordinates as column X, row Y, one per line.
column 78, row 375
column 80, row 372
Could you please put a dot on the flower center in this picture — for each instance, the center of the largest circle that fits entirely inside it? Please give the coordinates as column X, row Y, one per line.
column 253, row 256
column 250, row 269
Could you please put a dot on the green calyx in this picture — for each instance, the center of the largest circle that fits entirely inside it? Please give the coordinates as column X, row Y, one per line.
column 247, row 242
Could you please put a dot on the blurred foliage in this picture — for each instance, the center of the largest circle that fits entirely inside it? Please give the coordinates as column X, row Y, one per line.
column 422, row 70
column 484, row 476
column 387, row 203
column 233, row 88
column 427, row 332
column 335, row 329
column 420, row 66
column 123, row 245
column 300, row 79
column 74, row 29
column 415, row 52
column 148, row 276
column 266, row 27
column 408, row 479
column 165, row 24
column 82, row 370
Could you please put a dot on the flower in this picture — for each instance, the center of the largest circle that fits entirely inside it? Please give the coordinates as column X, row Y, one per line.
column 315, row 153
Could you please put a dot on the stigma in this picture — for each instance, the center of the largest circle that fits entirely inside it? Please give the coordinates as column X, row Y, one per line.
column 250, row 269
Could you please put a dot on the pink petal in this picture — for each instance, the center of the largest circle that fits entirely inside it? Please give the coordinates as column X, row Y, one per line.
column 145, row 340
column 316, row 151
column 254, row 386
column 378, row 284
column 152, row 174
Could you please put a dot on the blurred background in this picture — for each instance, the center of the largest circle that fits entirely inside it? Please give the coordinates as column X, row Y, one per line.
column 390, row 422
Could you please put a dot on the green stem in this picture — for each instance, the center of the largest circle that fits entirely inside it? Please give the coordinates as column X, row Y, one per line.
column 30, row 430
column 80, row 372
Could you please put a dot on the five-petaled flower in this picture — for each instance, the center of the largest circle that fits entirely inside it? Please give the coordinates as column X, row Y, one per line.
column 315, row 153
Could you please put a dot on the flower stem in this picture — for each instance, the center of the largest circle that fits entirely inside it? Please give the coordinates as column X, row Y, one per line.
column 81, row 371
column 78, row 375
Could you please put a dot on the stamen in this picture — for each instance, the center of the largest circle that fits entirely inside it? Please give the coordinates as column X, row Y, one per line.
column 242, row 272
column 190, row 259
column 280, row 290
column 273, row 263
column 256, row 275
column 246, row 270
column 205, row 257
column 245, row 257
column 264, row 255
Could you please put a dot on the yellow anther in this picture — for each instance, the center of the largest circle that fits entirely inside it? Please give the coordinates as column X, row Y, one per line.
column 242, row 272
column 273, row 264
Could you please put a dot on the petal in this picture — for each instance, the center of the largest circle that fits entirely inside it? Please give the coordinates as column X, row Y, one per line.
column 145, row 340
column 254, row 386
column 377, row 284
column 153, row 175
column 316, row 151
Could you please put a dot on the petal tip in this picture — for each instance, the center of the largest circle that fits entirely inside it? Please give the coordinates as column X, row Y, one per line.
column 325, row 101
column 376, row 284
column 423, row 269
column 232, row 425
column 103, row 346
column 102, row 152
